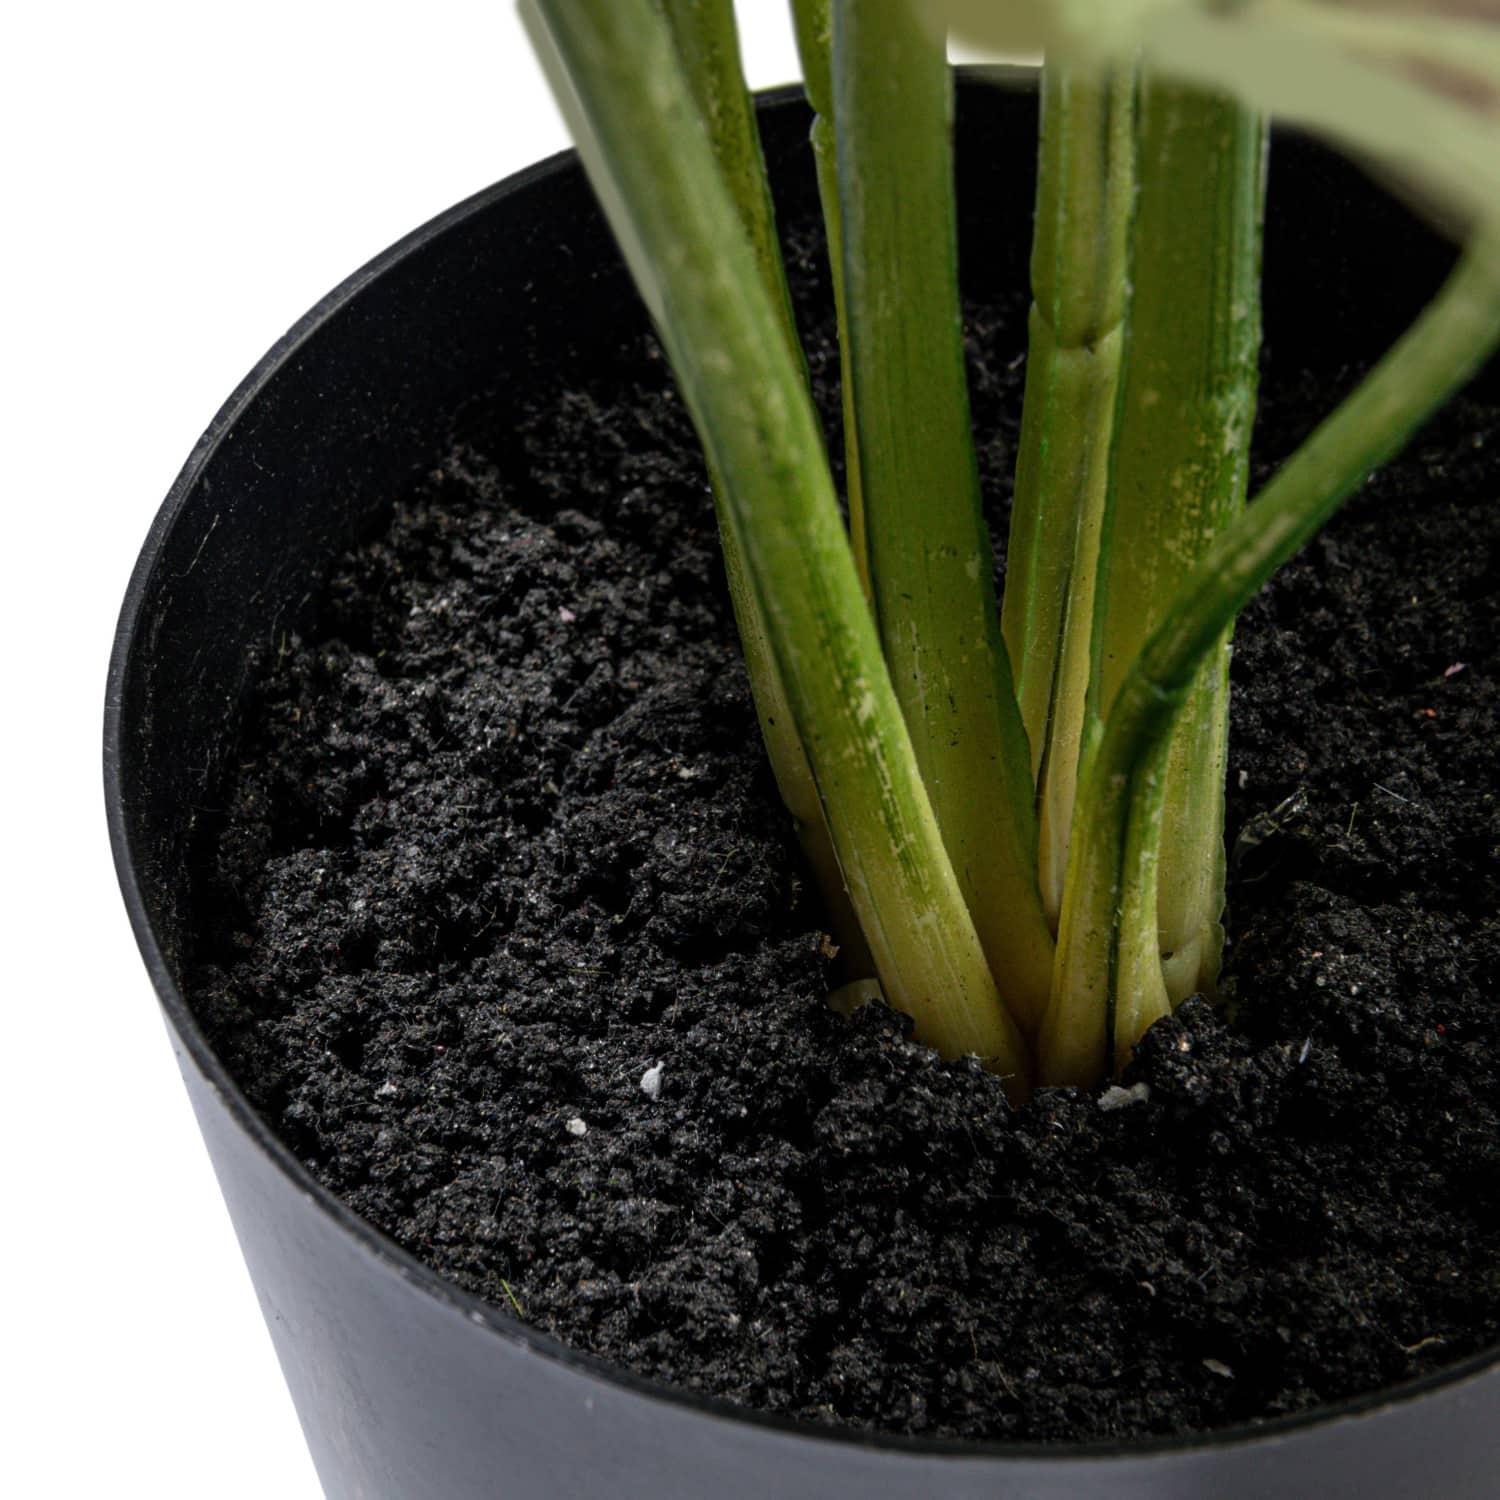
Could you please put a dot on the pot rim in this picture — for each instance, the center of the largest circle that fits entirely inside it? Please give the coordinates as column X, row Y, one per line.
column 373, row 1240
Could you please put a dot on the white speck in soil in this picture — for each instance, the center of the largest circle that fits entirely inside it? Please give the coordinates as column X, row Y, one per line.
column 651, row 1081
column 1115, row 1097
column 576, row 1126
column 1219, row 1368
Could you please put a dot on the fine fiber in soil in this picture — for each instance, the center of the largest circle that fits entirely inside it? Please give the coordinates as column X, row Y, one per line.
column 502, row 850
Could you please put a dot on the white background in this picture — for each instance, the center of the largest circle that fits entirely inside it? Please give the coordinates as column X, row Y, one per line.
column 181, row 183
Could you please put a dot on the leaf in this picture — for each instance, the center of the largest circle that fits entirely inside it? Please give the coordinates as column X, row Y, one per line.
column 1467, row 10
column 1413, row 83
column 1100, row 26
column 1415, row 103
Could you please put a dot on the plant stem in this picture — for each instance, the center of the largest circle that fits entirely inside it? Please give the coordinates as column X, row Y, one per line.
column 708, row 46
column 929, row 548
column 814, row 22
column 1080, row 292
column 646, row 147
column 1181, row 465
column 707, row 43
column 1087, row 1027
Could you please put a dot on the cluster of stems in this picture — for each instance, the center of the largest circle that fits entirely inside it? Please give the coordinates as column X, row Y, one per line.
column 1014, row 808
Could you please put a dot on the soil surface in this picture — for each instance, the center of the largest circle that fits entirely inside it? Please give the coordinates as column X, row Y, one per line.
column 506, row 933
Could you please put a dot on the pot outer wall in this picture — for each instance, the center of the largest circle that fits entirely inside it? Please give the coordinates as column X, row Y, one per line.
column 405, row 1386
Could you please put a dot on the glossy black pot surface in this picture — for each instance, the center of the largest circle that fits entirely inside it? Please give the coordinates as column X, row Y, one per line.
column 408, row 1388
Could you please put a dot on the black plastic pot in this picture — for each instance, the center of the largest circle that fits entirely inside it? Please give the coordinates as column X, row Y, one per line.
column 407, row 1387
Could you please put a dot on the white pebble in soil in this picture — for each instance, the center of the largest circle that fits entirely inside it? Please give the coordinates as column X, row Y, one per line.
column 1115, row 1097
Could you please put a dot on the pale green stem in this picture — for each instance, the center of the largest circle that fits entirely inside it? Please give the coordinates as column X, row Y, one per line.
column 929, row 547
column 707, row 43
column 644, row 143
column 1181, row 464
column 814, row 22
column 1080, row 290
column 1088, row 1025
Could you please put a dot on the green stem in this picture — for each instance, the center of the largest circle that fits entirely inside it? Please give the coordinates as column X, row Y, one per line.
column 1181, row 465
column 1080, row 289
column 646, row 148
column 1432, row 360
column 929, row 547
column 814, row 21
column 784, row 749
column 707, row 44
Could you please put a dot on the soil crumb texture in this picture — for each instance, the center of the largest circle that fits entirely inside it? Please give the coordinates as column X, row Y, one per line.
column 504, row 930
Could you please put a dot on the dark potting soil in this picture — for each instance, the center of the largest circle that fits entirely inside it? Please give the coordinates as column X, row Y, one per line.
column 505, row 932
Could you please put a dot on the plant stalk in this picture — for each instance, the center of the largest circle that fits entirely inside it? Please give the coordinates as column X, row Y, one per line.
column 1181, row 466
column 814, row 23
column 645, row 146
column 930, row 555
column 1088, row 1027
column 707, row 43
column 708, row 47
column 1080, row 294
